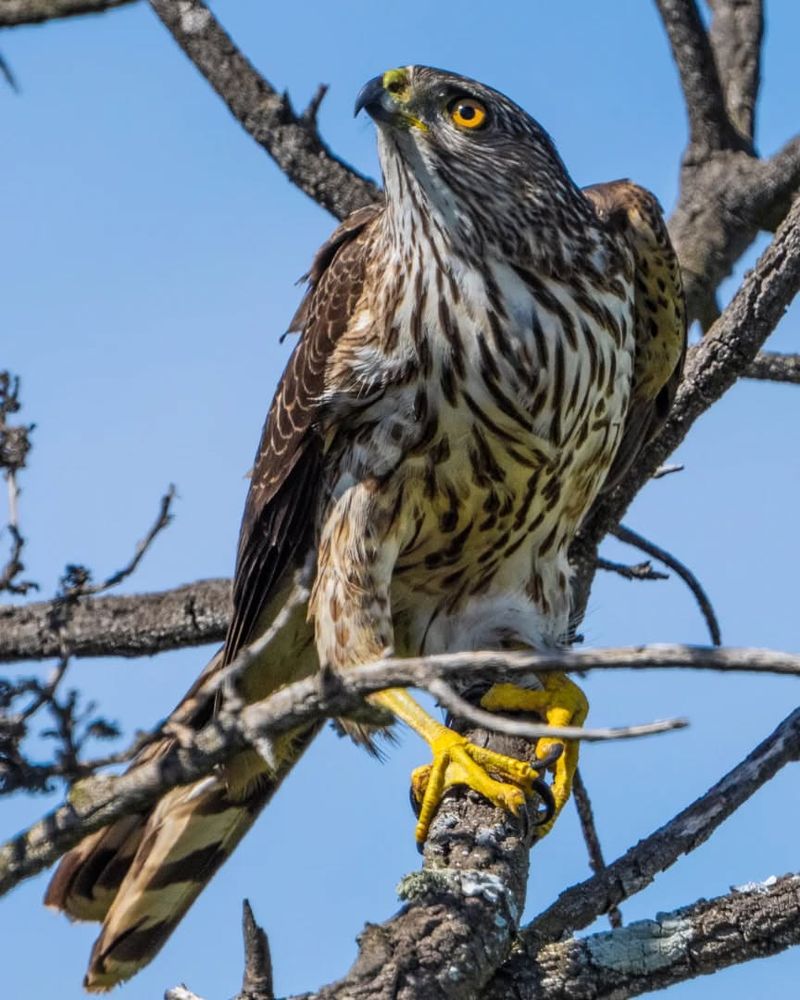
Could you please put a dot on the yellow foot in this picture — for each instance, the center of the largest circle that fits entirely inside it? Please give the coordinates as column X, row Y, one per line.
column 456, row 761
column 560, row 703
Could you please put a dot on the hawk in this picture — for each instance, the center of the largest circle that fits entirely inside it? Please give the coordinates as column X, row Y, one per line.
column 480, row 355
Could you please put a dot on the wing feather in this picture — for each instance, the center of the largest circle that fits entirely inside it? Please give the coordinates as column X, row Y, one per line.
column 659, row 313
column 278, row 522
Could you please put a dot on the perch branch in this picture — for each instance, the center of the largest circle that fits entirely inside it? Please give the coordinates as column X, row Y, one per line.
column 96, row 801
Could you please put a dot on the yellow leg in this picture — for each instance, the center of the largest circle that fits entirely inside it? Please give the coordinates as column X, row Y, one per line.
column 561, row 703
column 456, row 761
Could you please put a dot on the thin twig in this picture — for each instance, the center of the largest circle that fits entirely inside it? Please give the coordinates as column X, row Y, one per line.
column 583, row 805
column 630, row 537
column 494, row 722
column 639, row 571
column 163, row 518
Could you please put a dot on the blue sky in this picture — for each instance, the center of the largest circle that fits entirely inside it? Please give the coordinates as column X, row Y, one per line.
column 150, row 251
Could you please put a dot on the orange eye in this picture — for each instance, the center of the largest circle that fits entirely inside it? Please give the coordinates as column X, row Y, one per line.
column 466, row 112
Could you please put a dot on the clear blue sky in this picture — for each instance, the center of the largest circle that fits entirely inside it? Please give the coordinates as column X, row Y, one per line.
column 149, row 255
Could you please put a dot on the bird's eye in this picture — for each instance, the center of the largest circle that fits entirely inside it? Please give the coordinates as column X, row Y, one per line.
column 466, row 112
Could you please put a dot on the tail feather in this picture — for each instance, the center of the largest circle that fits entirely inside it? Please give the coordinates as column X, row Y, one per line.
column 88, row 878
column 141, row 874
column 186, row 839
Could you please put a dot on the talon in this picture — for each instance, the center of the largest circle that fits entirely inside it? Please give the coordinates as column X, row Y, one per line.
column 561, row 703
column 456, row 761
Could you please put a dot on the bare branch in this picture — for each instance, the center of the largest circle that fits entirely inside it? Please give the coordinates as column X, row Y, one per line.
column 725, row 200
column 95, row 802
column 15, row 12
column 710, row 128
column 737, row 30
column 291, row 140
column 138, row 625
column 773, row 367
column 641, row 571
column 14, row 447
column 630, row 537
column 583, row 805
column 8, row 74
column 578, row 906
column 162, row 520
column 257, row 980
column 494, row 722
column 753, row 921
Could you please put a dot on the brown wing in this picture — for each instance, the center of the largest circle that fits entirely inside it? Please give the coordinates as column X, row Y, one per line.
column 278, row 518
column 660, row 312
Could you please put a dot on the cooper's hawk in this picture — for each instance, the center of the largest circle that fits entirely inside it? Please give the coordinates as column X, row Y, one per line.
column 479, row 354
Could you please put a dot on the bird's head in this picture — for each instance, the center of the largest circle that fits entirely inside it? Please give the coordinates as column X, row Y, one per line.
column 472, row 156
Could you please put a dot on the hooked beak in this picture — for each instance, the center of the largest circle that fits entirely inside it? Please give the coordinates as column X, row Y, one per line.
column 375, row 100
column 387, row 106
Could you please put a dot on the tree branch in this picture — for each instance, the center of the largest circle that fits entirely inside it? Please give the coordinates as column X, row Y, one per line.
column 579, row 905
column 97, row 801
column 753, row 921
column 15, row 12
column 137, row 625
column 737, row 30
column 629, row 537
column 710, row 129
column 291, row 140
column 773, row 367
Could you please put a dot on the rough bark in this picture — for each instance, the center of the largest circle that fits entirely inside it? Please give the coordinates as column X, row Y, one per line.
column 135, row 625
column 16, row 12
column 753, row 921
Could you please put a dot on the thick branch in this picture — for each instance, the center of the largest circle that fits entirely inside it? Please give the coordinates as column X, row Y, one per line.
column 737, row 30
column 753, row 921
column 579, row 905
column 710, row 128
column 14, row 12
column 137, row 625
column 291, row 140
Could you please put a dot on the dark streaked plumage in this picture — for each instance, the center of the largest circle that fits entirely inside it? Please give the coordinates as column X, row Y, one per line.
column 479, row 357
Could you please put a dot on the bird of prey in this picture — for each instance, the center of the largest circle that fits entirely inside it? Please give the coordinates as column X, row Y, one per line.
column 480, row 355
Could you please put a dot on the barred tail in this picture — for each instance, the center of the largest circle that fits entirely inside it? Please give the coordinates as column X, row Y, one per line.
column 140, row 875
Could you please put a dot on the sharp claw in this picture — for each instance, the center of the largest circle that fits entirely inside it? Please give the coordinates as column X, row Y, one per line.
column 550, row 757
column 542, row 789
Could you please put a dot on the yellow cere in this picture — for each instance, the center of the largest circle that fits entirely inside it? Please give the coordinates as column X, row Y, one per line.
column 466, row 112
column 397, row 83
